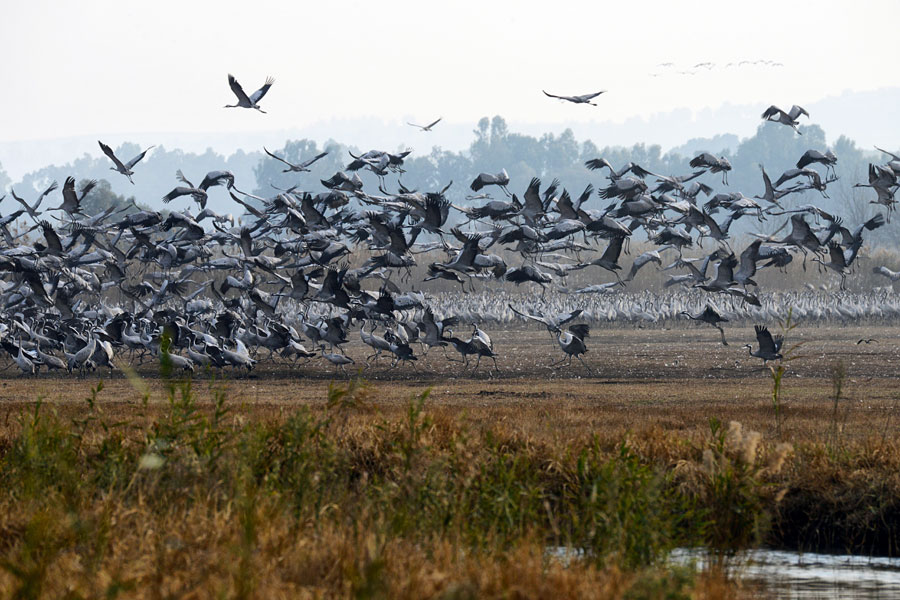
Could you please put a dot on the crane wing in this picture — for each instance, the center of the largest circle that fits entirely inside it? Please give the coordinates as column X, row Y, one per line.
column 772, row 111
column 108, row 152
column 258, row 94
column 891, row 154
column 581, row 331
column 314, row 159
column 539, row 319
column 238, row 90
column 586, row 97
column 796, row 111
column 138, row 158
column 766, row 343
column 276, row 157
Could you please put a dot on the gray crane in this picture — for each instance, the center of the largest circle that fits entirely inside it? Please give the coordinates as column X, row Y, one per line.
column 426, row 127
column 572, row 343
column 123, row 168
column 715, row 164
column 582, row 99
column 245, row 101
column 769, row 347
column 827, row 158
column 302, row 167
column 500, row 179
column 790, row 118
column 709, row 316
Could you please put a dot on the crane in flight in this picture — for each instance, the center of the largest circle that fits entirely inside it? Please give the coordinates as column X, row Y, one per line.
column 582, row 99
column 251, row 101
column 123, row 168
column 426, row 127
column 769, row 347
column 791, row 118
column 298, row 168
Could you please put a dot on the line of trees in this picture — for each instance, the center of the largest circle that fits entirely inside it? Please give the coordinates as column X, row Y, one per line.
column 493, row 147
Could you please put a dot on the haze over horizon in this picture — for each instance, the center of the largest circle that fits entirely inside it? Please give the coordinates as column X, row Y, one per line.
column 103, row 68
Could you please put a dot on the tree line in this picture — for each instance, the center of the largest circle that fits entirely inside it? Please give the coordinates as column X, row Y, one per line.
column 493, row 147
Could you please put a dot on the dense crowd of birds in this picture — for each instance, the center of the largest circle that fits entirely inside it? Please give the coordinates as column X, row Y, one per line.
column 194, row 288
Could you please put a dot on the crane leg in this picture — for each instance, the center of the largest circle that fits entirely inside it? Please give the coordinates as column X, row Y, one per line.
column 585, row 365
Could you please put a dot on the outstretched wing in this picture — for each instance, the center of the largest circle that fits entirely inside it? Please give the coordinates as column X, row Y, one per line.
column 238, row 90
column 276, row 157
column 108, row 152
column 250, row 208
column 430, row 125
column 313, row 159
column 546, row 93
column 138, row 158
column 891, row 154
column 581, row 331
column 539, row 319
column 771, row 112
column 180, row 177
column 766, row 343
column 796, row 111
column 586, row 97
column 258, row 94
column 563, row 319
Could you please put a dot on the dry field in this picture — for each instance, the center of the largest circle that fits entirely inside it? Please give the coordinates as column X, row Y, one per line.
column 671, row 378
column 294, row 482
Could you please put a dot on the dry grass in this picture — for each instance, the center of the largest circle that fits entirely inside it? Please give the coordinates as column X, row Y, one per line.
column 280, row 488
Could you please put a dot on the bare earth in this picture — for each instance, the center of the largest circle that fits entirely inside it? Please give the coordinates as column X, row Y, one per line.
column 674, row 379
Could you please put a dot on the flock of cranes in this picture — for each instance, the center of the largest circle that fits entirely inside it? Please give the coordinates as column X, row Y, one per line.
column 316, row 263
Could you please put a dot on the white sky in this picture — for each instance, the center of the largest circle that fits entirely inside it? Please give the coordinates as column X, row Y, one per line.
column 108, row 67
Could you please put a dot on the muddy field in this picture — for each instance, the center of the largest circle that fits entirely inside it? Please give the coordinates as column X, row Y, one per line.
column 670, row 378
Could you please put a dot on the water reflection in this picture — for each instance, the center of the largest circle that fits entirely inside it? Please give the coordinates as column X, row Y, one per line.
column 806, row 575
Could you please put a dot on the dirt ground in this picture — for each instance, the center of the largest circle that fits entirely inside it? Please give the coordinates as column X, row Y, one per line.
column 675, row 379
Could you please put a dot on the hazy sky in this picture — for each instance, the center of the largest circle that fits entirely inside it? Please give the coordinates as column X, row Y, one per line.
column 98, row 67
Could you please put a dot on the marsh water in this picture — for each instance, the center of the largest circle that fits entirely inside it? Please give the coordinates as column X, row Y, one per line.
column 783, row 574
column 801, row 575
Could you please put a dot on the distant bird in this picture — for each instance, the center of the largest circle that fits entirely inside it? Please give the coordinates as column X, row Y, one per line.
column 426, row 127
column 243, row 100
column 769, row 347
column 776, row 115
column 123, row 168
column 583, row 99
column 300, row 167
column 866, row 341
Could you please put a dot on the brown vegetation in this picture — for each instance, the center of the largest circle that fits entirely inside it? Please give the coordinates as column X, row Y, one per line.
column 290, row 487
